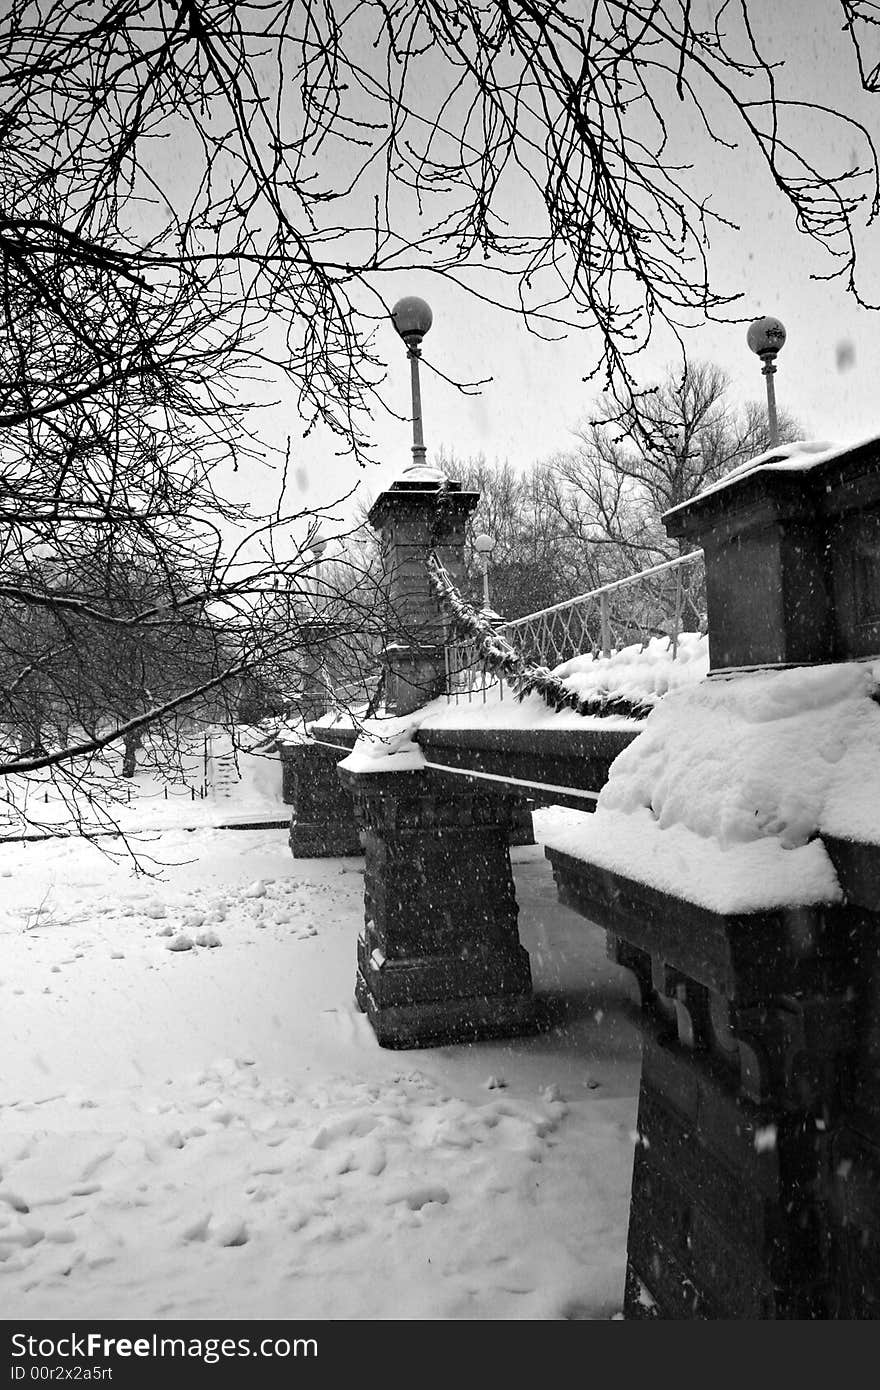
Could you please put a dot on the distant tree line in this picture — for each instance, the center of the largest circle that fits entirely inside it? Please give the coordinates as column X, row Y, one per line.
column 592, row 514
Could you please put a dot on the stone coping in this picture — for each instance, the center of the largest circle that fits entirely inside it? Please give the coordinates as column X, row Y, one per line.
column 744, row 956
column 540, row 762
column 827, row 489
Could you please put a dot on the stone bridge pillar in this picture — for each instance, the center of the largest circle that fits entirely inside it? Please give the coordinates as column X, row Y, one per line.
column 422, row 511
column 439, row 959
column 755, row 1182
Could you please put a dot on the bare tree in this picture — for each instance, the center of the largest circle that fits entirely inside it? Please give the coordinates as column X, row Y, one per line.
column 536, row 560
column 219, row 166
column 637, row 458
column 203, row 201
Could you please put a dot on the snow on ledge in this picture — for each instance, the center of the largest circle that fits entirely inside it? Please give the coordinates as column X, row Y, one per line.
column 799, row 456
column 752, row 877
column 726, row 793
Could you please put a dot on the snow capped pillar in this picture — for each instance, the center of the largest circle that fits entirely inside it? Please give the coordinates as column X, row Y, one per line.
column 792, row 546
column 423, row 511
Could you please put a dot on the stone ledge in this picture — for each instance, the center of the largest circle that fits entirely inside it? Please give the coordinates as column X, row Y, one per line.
column 558, row 757
column 744, row 956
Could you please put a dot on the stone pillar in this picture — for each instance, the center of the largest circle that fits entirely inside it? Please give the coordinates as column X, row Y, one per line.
column 312, row 701
column 757, row 1158
column 323, row 822
column 423, row 511
column 439, row 960
column 792, row 561
column 752, row 1035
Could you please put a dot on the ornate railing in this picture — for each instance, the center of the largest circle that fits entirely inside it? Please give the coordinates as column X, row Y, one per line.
column 662, row 601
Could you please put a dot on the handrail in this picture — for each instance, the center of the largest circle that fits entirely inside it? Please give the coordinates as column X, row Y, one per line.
column 691, row 558
column 666, row 599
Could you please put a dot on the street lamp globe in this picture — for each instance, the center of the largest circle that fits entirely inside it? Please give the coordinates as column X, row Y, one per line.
column 766, row 336
column 484, row 545
column 412, row 318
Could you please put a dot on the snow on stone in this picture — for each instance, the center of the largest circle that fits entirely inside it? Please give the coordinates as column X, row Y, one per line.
column 641, row 674
column 725, row 794
column 799, row 456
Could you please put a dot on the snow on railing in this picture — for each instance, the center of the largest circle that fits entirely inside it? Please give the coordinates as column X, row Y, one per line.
column 664, row 600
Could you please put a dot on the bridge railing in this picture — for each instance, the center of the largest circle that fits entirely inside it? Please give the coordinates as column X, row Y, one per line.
column 663, row 600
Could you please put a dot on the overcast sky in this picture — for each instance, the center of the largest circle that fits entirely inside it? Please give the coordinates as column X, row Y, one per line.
column 827, row 372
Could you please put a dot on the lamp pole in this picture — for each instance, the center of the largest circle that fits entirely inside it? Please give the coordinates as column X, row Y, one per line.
column 484, row 545
column 765, row 337
column 412, row 318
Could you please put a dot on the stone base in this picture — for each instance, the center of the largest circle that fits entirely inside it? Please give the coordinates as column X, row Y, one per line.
column 323, row 823
column 324, row 839
column 727, row 1218
column 758, row 1149
column 436, row 1022
column 439, row 959
column 522, row 830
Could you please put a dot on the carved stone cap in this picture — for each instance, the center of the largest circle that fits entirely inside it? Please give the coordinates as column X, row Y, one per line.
column 805, row 479
column 405, row 498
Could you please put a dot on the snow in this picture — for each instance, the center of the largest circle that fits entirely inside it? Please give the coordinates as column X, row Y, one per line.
column 753, row 877
column 224, row 778
column 215, row 1133
column 797, row 457
column 724, row 796
column 637, row 673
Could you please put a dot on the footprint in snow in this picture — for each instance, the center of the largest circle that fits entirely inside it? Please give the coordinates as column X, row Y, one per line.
column 12, row 1199
column 197, row 1229
column 418, row 1197
column 231, row 1232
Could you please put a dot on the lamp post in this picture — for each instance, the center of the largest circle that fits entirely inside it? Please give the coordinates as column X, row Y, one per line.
column 319, row 545
column 765, row 337
column 484, row 545
column 412, row 318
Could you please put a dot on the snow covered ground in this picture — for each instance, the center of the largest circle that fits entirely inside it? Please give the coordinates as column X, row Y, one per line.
column 211, row 1131
column 223, row 777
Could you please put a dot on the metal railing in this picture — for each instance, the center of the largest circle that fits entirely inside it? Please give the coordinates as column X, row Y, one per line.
column 355, row 694
column 664, row 600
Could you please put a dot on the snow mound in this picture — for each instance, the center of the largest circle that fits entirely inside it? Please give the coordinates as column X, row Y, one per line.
column 724, row 796
column 638, row 675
